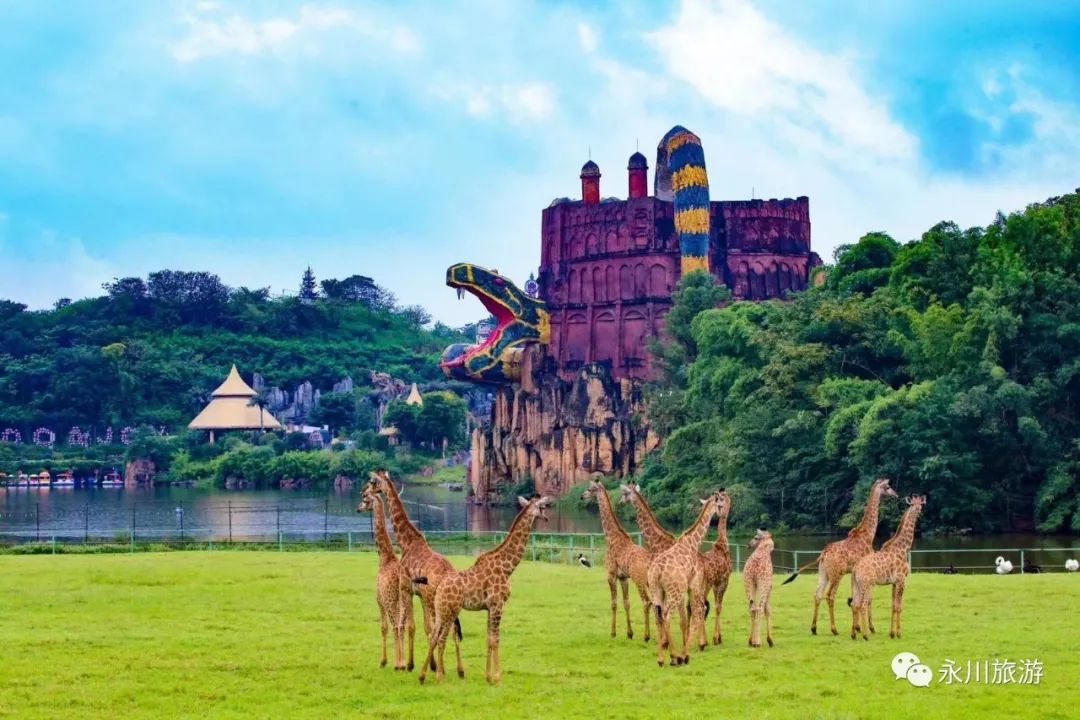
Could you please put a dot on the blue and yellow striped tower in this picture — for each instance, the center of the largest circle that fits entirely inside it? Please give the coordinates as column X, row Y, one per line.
column 690, row 186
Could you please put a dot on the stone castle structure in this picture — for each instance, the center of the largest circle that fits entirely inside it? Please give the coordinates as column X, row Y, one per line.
column 608, row 270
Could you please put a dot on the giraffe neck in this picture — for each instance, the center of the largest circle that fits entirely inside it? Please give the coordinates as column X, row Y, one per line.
column 696, row 533
column 612, row 527
column 721, row 527
column 867, row 527
column 901, row 542
column 655, row 535
column 382, row 538
column 512, row 548
column 407, row 534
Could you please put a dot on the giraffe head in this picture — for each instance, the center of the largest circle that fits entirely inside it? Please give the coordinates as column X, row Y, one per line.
column 717, row 499
column 592, row 492
column 628, row 490
column 367, row 498
column 378, row 477
column 762, row 535
column 916, row 502
column 886, row 490
column 534, row 508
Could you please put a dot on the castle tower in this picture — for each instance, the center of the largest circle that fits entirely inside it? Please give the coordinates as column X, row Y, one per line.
column 638, row 168
column 590, row 183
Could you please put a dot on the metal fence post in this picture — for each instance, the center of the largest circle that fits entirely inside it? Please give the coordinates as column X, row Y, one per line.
column 279, row 543
column 86, row 529
column 53, row 544
column 326, row 520
column 795, row 559
column 37, row 520
column 350, row 541
column 1022, row 563
column 532, row 545
column 738, row 557
column 230, row 522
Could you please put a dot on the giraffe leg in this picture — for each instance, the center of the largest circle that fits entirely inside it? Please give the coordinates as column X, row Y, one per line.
column 646, row 607
column 823, row 581
column 429, row 661
column 897, row 608
column 753, row 641
column 440, row 665
column 410, row 629
column 684, row 632
column 614, row 601
column 768, row 621
column 830, row 597
column 626, row 606
column 428, row 605
column 494, row 670
column 663, row 636
column 869, row 606
column 383, row 626
column 399, row 642
column 718, row 595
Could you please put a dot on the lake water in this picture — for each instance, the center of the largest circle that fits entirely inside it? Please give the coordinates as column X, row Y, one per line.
column 75, row 514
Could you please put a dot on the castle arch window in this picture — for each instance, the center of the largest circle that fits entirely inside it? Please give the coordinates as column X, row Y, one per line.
column 611, row 242
column 658, row 281
column 785, row 277
column 610, row 285
column 641, row 281
column 772, row 288
column 592, row 244
column 574, row 294
column 577, row 247
column 586, row 287
column 598, row 285
column 626, row 282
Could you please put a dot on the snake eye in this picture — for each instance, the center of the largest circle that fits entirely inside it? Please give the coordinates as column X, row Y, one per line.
column 499, row 281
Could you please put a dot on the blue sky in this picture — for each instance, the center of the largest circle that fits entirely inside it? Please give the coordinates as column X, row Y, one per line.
column 254, row 138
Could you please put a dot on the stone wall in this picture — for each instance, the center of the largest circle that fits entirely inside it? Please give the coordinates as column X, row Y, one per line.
column 559, row 433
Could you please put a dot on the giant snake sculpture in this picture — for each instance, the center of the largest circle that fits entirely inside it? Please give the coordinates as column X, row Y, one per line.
column 522, row 320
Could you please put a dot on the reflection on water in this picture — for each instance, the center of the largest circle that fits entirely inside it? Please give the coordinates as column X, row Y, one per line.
column 172, row 512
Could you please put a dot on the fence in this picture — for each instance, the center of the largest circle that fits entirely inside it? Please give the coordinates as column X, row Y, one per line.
column 542, row 547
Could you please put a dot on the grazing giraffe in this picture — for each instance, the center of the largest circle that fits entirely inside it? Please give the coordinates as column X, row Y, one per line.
column 887, row 566
column 839, row 557
column 484, row 586
column 417, row 560
column 624, row 560
column 758, row 579
column 673, row 574
column 655, row 536
column 387, row 593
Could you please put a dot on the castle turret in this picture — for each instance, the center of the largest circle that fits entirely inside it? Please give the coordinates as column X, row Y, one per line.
column 638, row 168
column 590, row 183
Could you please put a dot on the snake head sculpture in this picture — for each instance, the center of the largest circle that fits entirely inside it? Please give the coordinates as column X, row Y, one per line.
column 521, row 320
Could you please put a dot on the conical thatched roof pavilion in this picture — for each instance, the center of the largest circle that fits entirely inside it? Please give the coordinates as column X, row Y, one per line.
column 230, row 408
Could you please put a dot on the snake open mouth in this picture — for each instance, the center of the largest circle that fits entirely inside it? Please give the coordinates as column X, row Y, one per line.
column 520, row 320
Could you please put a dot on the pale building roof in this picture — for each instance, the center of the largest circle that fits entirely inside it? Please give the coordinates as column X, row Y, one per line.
column 229, row 409
column 414, row 396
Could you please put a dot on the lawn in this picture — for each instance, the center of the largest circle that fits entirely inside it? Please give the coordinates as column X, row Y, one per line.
column 276, row 635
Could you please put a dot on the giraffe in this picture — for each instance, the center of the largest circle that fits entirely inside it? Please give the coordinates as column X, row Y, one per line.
column 484, row 586
column 715, row 565
column 839, row 557
column 758, row 579
column 624, row 560
column 716, row 569
column 887, row 566
column 673, row 573
column 387, row 586
column 417, row 560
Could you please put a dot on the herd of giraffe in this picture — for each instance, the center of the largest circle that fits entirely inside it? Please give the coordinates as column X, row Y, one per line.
column 671, row 574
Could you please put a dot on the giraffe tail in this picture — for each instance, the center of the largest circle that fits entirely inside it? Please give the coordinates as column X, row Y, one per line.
column 457, row 628
column 849, row 602
column 420, row 580
column 807, row 566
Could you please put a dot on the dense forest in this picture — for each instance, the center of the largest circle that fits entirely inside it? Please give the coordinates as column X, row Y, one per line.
column 950, row 364
column 150, row 351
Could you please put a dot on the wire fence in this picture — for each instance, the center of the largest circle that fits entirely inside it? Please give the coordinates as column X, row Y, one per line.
column 565, row 548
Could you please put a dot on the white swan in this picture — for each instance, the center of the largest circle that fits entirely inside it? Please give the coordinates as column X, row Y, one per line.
column 1004, row 567
column 1072, row 565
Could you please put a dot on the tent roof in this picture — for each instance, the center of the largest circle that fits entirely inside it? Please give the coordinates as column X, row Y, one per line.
column 233, row 413
column 234, row 386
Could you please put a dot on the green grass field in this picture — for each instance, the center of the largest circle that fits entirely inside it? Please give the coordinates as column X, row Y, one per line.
column 265, row 634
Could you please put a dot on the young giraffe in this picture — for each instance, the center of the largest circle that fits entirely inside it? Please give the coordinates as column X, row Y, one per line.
column 624, row 560
column 839, row 557
column 387, row 586
column 758, row 579
column 716, row 569
column 484, row 586
column 714, row 566
column 673, row 573
column 887, row 566
column 417, row 560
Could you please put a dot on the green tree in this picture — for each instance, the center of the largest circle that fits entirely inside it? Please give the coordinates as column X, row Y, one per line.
column 309, row 289
column 336, row 410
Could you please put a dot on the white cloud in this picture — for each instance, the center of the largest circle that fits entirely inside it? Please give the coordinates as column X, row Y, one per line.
column 743, row 63
column 39, row 271
column 587, row 38
column 237, row 34
column 517, row 102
